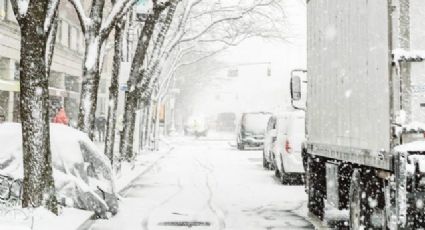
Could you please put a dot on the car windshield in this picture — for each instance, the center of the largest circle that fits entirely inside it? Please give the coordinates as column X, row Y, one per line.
column 256, row 122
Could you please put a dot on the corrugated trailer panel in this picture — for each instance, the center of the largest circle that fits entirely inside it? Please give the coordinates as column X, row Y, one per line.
column 348, row 65
column 417, row 42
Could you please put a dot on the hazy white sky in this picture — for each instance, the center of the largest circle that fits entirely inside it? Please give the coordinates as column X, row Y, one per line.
column 252, row 90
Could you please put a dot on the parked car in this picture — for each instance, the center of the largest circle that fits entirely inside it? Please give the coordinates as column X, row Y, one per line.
column 286, row 134
column 83, row 175
column 269, row 140
column 226, row 122
column 196, row 126
column 251, row 129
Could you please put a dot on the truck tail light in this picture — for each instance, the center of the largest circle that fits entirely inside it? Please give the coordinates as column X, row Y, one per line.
column 288, row 147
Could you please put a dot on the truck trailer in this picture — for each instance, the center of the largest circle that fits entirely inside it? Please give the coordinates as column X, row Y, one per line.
column 365, row 147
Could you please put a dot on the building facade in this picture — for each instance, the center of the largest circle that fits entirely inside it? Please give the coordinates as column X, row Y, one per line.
column 66, row 70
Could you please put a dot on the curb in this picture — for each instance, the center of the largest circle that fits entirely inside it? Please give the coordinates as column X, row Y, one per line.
column 89, row 222
column 147, row 169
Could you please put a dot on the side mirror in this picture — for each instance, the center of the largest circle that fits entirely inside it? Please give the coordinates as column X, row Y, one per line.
column 295, row 88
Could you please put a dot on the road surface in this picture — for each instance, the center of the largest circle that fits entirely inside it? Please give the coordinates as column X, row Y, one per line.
column 208, row 184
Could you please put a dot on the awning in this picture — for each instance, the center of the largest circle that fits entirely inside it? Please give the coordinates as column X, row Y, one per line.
column 12, row 86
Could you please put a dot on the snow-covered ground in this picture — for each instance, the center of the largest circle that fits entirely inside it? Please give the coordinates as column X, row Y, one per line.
column 207, row 183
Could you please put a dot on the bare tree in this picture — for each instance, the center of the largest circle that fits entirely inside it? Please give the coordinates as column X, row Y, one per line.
column 205, row 28
column 138, row 75
column 113, row 91
column 37, row 21
column 202, row 23
column 96, row 29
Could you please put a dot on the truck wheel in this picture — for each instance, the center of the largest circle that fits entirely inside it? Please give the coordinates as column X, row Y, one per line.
column 356, row 190
column 367, row 200
column 316, row 176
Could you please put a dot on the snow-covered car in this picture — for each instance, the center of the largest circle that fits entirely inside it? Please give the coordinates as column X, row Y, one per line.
column 251, row 129
column 286, row 149
column 269, row 141
column 83, row 176
column 196, row 126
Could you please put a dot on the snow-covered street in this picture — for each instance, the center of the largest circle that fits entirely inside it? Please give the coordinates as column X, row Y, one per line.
column 208, row 184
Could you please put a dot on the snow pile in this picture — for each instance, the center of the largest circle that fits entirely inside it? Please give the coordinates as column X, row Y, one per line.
column 405, row 55
column 417, row 146
column 42, row 219
column 23, row 7
column 80, row 171
column 412, row 127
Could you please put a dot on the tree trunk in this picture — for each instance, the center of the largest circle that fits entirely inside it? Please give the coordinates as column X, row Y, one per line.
column 113, row 93
column 126, row 143
column 149, row 130
column 156, row 129
column 91, row 69
column 91, row 78
column 137, row 74
column 38, row 184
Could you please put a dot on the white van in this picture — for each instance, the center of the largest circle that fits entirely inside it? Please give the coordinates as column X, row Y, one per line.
column 286, row 147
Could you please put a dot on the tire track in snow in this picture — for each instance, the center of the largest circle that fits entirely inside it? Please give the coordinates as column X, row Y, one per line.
column 145, row 221
column 214, row 208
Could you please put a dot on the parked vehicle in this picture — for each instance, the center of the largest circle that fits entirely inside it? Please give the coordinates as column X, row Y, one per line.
column 359, row 103
column 251, row 129
column 286, row 135
column 269, row 140
column 83, row 175
column 196, row 126
column 226, row 122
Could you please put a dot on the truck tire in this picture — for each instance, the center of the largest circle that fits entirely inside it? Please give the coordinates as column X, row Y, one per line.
column 365, row 200
column 316, row 188
column 355, row 205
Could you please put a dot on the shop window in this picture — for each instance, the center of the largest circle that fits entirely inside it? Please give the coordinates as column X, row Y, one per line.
column 17, row 71
column 72, row 83
column 16, row 111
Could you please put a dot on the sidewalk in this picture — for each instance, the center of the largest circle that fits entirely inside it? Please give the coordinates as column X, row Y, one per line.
column 41, row 219
column 76, row 219
column 144, row 161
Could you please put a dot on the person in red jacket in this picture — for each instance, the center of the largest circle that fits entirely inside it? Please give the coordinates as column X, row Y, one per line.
column 61, row 117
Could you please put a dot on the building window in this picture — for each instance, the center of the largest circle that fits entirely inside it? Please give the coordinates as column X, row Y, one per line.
column 17, row 71
column 59, row 32
column 73, row 38
column 64, row 33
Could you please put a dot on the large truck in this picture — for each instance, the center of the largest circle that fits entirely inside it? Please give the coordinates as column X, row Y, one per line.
column 365, row 147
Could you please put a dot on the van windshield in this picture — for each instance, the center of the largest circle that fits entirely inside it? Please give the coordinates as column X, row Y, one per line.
column 256, row 122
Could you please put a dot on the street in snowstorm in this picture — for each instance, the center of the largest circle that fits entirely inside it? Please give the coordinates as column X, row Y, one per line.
column 207, row 183
column 212, row 114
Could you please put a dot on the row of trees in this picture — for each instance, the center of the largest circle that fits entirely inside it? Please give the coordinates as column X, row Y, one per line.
column 175, row 34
